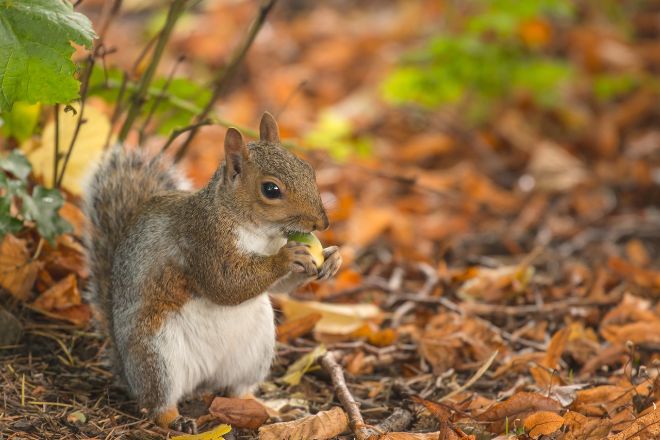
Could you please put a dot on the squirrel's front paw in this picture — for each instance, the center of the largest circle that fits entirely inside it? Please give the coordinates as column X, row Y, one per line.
column 331, row 264
column 184, row 424
column 300, row 260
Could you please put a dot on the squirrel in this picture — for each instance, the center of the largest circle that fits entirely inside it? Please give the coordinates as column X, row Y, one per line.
column 181, row 278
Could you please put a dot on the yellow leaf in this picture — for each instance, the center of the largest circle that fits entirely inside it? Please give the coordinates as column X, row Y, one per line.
column 214, row 434
column 337, row 319
column 296, row 370
column 87, row 150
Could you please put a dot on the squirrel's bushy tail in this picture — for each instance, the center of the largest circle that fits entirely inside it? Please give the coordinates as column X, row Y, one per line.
column 121, row 183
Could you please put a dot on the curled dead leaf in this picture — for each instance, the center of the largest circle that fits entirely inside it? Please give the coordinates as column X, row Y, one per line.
column 518, row 406
column 543, row 423
column 17, row 272
column 336, row 319
column 294, row 328
column 63, row 301
column 239, row 413
column 320, row 426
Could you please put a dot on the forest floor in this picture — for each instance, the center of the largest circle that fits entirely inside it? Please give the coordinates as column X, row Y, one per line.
column 499, row 281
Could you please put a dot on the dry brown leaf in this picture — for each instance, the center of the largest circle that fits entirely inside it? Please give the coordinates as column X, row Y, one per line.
column 414, row 436
column 239, row 413
column 517, row 406
column 585, row 428
column 295, row 328
column 63, row 301
column 643, row 277
column 646, row 427
column 17, row 272
column 367, row 223
column 320, row 426
column 493, row 285
column 439, row 411
column 542, row 374
column 337, row 319
column 543, row 423
column 453, row 341
column 74, row 216
column 375, row 336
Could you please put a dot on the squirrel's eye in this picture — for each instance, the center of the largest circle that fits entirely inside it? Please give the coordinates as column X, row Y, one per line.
column 270, row 190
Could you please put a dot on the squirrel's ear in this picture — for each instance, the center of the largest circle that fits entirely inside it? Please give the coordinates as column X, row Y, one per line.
column 235, row 152
column 268, row 129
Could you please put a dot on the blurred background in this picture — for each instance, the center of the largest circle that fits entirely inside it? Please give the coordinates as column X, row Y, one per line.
column 491, row 170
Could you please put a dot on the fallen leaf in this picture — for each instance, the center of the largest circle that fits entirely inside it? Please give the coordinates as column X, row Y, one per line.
column 90, row 142
column 542, row 374
column 76, row 417
column 643, row 428
column 543, row 423
column 17, row 272
column 320, row 426
column 63, row 301
column 375, row 336
column 337, row 319
column 74, row 216
column 439, row 411
column 518, row 406
column 555, row 169
column 496, row 284
column 240, row 413
column 216, row 433
column 295, row 328
column 414, row 436
column 297, row 370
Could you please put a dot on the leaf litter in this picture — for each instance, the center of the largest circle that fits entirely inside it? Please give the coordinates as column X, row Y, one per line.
column 520, row 259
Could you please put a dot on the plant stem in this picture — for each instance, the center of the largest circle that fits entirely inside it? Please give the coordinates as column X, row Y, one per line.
column 226, row 73
column 138, row 98
column 56, row 156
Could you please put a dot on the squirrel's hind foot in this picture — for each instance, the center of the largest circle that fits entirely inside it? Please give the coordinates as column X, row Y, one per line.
column 184, row 424
column 171, row 419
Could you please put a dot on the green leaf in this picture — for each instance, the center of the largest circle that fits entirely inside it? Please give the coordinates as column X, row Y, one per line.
column 17, row 164
column 43, row 209
column 35, row 51
column 21, row 121
column 8, row 224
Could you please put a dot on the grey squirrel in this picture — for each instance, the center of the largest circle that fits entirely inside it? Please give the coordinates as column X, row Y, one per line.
column 181, row 278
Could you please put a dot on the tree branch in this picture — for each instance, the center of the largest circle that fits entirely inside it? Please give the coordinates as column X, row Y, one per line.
column 226, row 73
column 138, row 98
column 352, row 408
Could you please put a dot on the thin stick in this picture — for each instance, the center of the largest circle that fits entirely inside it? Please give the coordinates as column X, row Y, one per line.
column 56, row 157
column 180, row 131
column 138, row 98
column 355, row 420
column 80, row 121
column 158, row 100
column 225, row 74
column 471, row 381
column 118, row 109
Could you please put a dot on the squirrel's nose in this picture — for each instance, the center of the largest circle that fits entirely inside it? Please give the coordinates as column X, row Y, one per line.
column 323, row 223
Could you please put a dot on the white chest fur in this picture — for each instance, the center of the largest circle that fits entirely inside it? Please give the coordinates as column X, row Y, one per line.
column 260, row 241
column 211, row 347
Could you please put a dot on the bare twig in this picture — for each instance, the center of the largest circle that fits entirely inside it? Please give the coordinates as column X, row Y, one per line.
column 56, row 157
column 355, row 420
column 399, row 420
column 180, row 131
column 80, row 121
column 138, row 97
column 471, row 381
column 118, row 109
column 158, row 100
column 226, row 73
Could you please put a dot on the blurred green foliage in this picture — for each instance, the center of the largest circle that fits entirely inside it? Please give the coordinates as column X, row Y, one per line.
column 334, row 134
column 18, row 205
column 493, row 50
column 176, row 103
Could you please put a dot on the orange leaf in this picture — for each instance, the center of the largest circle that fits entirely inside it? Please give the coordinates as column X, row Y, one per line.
column 543, row 423
column 240, row 413
column 295, row 328
column 17, row 272
column 517, row 406
column 63, row 301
